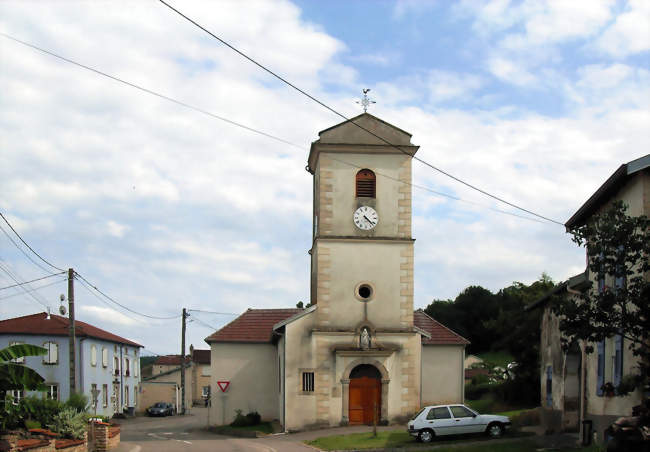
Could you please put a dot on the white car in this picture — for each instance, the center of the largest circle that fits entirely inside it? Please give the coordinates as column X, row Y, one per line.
column 442, row 420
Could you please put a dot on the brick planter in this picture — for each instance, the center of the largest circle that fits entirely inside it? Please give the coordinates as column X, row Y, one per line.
column 107, row 436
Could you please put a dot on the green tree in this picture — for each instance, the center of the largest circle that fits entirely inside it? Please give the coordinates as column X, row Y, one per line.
column 618, row 249
column 14, row 375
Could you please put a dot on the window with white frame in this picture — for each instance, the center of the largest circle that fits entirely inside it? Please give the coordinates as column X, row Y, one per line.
column 52, row 355
column 93, row 390
column 127, row 367
column 16, row 395
column 126, row 396
column 105, row 395
column 116, row 365
column 135, row 367
column 22, row 358
column 135, row 395
column 104, row 357
column 205, row 393
column 93, row 355
column 52, row 391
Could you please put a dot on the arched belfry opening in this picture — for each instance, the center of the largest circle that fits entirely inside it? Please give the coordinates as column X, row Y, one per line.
column 365, row 184
column 365, row 395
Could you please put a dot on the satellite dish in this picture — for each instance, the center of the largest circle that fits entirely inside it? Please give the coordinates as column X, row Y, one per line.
column 62, row 297
column 62, row 309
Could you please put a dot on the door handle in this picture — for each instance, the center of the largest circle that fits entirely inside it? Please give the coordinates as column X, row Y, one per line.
column 457, row 420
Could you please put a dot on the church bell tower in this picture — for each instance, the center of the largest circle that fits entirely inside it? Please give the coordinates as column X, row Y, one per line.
column 362, row 250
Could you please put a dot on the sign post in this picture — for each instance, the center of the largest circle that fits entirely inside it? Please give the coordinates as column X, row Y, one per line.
column 223, row 385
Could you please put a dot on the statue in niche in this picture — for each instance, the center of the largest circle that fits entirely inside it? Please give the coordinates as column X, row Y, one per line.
column 364, row 339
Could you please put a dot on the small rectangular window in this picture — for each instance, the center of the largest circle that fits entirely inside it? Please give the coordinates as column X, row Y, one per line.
column 549, row 386
column 52, row 355
column 17, row 395
column 93, row 355
column 52, row 391
column 600, row 381
column 105, row 395
column 93, row 391
column 618, row 359
column 308, row 381
column 104, row 357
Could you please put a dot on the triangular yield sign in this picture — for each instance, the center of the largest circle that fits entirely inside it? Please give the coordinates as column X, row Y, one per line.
column 223, row 385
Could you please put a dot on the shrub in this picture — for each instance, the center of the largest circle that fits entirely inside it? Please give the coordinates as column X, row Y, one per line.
column 69, row 423
column 475, row 392
column 39, row 409
column 78, row 402
column 32, row 424
column 252, row 418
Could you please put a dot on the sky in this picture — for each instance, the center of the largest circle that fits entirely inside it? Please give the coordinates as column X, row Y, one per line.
column 162, row 207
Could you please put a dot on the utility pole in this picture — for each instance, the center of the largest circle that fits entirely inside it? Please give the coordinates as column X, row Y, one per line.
column 183, row 362
column 73, row 367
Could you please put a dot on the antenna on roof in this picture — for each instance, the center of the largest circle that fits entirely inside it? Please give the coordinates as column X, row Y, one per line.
column 48, row 313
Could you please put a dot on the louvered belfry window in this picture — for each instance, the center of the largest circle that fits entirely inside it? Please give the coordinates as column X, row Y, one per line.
column 365, row 184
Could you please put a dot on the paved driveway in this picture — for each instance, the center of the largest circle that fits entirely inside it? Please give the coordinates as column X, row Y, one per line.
column 186, row 433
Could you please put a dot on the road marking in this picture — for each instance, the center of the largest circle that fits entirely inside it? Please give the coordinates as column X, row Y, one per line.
column 168, row 433
column 136, row 449
column 153, row 435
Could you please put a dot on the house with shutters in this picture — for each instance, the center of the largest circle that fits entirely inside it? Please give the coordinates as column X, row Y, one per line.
column 577, row 386
column 359, row 352
column 104, row 361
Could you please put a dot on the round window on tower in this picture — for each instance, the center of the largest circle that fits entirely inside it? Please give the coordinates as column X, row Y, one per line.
column 364, row 291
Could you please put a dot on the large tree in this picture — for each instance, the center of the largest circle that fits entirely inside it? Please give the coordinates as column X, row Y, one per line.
column 618, row 249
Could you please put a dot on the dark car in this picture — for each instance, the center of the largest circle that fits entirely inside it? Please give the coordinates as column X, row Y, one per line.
column 160, row 409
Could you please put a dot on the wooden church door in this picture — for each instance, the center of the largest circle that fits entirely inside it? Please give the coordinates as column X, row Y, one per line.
column 364, row 395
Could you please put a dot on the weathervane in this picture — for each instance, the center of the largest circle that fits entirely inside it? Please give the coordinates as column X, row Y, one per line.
column 365, row 101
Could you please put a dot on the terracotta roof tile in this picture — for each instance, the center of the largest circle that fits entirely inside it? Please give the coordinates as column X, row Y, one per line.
column 57, row 326
column 254, row 325
column 170, row 360
column 440, row 334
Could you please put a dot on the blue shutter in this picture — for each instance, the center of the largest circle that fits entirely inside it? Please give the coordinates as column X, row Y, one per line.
column 601, row 368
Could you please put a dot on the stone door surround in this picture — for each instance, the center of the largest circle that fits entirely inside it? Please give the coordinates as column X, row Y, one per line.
column 345, row 390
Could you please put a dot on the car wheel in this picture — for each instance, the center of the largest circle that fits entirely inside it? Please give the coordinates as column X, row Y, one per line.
column 495, row 430
column 426, row 436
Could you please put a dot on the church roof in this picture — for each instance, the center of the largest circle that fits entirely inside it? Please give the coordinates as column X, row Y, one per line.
column 254, row 325
column 440, row 334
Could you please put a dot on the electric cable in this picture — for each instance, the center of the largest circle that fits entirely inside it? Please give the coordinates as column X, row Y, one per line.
column 85, row 286
column 27, row 245
column 31, row 294
column 204, row 324
column 33, row 280
column 249, row 128
column 123, row 306
column 264, row 68
column 153, row 93
column 210, row 312
column 34, row 289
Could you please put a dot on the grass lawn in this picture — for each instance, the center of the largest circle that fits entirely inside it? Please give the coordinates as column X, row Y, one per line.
column 497, row 358
column 515, row 446
column 396, row 438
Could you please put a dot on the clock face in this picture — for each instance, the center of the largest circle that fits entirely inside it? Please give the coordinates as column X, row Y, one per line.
column 365, row 218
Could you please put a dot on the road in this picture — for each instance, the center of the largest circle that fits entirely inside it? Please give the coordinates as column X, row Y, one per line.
column 187, row 433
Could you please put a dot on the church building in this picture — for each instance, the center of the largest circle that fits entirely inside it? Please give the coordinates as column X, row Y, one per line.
column 359, row 353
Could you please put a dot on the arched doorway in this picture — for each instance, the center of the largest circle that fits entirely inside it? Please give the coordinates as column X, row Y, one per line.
column 365, row 395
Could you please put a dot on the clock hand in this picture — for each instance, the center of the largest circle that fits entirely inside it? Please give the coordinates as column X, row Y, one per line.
column 368, row 220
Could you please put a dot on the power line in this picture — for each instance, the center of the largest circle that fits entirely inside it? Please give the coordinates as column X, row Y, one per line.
column 211, row 312
column 31, row 294
column 85, row 286
column 123, row 306
column 153, row 93
column 249, row 128
column 33, row 280
column 27, row 245
column 264, row 68
column 194, row 319
column 30, row 258
column 34, row 289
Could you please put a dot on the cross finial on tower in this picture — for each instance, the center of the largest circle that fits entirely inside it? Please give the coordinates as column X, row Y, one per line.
column 365, row 100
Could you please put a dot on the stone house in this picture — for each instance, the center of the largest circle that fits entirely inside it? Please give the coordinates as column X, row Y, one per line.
column 572, row 382
column 359, row 352
column 104, row 361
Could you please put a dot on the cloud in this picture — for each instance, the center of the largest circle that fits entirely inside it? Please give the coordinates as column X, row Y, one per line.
column 630, row 32
column 511, row 72
column 116, row 230
column 99, row 316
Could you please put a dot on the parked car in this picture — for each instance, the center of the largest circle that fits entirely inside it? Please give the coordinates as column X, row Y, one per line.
column 161, row 409
column 441, row 420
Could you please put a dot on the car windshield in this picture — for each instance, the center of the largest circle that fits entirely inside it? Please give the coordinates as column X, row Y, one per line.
column 159, row 405
column 413, row 418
